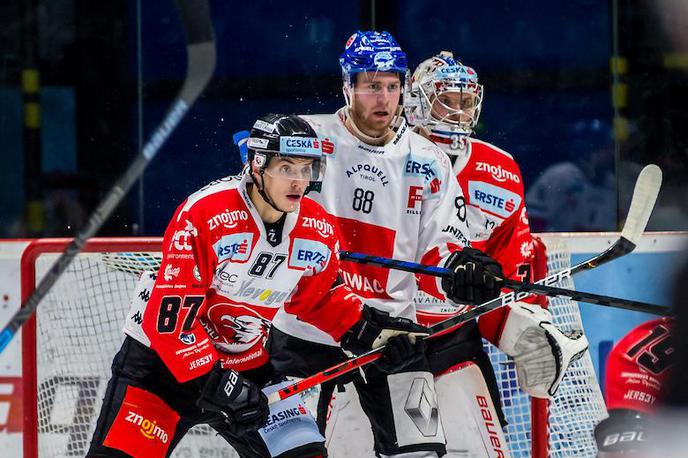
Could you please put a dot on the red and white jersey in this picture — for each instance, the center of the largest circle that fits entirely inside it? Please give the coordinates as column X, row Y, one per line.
column 638, row 366
column 397, row 201
column 494, row 206
column 221, row 283
column 491, row 181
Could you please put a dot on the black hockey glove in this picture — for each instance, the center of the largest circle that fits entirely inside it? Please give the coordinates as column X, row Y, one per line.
column 240, row 401
column 399, row 335
column 477, row 277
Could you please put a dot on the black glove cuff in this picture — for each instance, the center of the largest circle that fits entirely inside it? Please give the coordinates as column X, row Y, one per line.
column 360, row 337
column 222, row 386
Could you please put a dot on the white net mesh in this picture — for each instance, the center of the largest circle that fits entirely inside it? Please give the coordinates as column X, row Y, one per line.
column 78, row 334
column 79, row 331
column 578, row 405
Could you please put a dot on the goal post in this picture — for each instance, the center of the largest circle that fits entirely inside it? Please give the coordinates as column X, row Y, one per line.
column 67, row 349
column 32, row 422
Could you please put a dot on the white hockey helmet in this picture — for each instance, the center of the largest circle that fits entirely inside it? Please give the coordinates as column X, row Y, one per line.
column 430, row 103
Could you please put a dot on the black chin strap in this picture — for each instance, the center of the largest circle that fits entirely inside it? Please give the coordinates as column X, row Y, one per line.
column 262, row 192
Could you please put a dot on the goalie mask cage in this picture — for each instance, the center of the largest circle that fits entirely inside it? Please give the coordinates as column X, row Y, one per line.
column 68, row 346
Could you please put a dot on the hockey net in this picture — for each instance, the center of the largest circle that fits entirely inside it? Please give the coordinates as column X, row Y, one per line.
column 68, row 348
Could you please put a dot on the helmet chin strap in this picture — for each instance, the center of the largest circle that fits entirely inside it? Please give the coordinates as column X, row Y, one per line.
column 263, row 192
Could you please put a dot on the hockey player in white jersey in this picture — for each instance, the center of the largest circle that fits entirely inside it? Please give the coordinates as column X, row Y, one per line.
column 444, row 105
column 392, row 194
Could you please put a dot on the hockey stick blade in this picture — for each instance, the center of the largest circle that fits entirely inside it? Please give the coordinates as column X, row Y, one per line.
column 195, row 16
column 643, row 201
column 647, row 185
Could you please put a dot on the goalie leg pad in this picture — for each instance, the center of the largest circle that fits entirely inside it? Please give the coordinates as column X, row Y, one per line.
column 469, row 415
column 541, row 352
column 446, row 353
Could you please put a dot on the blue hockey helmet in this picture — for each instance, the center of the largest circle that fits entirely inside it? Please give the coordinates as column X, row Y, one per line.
column 371, row 51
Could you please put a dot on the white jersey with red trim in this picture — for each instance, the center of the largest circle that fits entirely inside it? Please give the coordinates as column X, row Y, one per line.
column 495, row 209
column 397, row 201
column 220, row 282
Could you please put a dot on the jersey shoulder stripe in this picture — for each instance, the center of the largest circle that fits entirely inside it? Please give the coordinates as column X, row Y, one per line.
column 221, row 185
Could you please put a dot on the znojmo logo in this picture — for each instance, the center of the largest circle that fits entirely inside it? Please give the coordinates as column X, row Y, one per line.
column 497, row 172
column 148, row 428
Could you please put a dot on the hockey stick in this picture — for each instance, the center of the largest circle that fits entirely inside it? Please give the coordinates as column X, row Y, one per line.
column 522, row 288
column 644, row 197
column 195, row 16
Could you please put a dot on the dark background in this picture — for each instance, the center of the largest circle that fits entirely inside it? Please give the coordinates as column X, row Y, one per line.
column 579, row 121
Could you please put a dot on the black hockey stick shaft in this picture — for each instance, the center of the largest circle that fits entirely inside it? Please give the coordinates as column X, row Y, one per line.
column 643, row 201
column 195, row 17
column 620, row 248
column 524, row 289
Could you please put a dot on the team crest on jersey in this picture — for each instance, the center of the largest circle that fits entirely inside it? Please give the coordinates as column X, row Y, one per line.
column 234, row 247
column 236, row 328
column 309, row 255
column 493, row 199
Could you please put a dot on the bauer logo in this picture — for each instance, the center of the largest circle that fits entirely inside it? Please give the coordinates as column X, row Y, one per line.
column 493, row 199
column 234, row 247
column 257, row 143
column 264, row 126
column 309, row 254
column 300, row 145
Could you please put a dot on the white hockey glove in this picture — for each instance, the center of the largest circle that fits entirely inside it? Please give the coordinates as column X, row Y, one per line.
column 542, row 353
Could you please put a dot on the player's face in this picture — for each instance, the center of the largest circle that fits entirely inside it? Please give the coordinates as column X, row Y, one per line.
column 286, row 180
column 375, row 100
column 454, row 106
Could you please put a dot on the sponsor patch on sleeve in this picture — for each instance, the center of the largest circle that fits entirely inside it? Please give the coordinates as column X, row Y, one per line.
column 493, row 199
column 234, row 247
column 309, row 254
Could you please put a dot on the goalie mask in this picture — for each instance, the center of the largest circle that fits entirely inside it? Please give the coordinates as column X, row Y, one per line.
column 445, row 96
column 280, row 136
